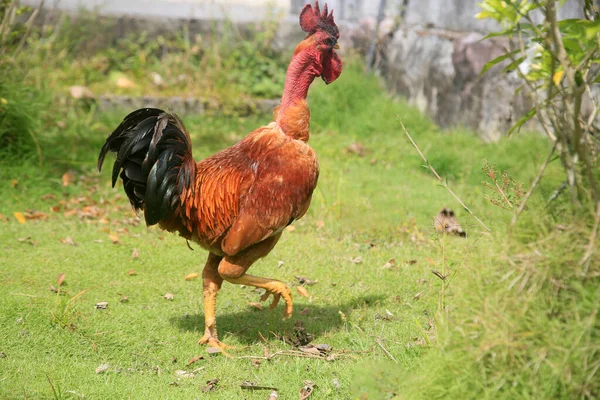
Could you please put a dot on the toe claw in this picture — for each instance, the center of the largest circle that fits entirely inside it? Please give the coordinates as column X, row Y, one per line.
column 276, row 298
column 279, row 292
column 265, row 296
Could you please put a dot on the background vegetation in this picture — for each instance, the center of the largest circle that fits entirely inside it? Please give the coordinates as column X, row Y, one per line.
column 511, row 313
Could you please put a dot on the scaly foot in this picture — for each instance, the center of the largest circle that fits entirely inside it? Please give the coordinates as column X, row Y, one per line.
column 212, row 341
column 279, row 289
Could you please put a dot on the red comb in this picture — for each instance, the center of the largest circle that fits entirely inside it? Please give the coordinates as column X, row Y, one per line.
column 311, row 19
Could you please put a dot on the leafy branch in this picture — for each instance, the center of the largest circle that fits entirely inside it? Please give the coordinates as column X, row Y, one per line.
column 558, row 62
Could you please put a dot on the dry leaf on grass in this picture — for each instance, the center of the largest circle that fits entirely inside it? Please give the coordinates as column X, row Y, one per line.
column 123, row 299
column 20, row 217
column 306, row 281
column 302, row 291
column 191, row 276
column 310, row 350
column 68, row 241
column 210, row 385
column 321, row 350
column 102, row 368
column 114, row 238
column 131, row 272
column 68, row 178
column 306, row 390
column 390, row 264
column 273, row 395
column 135, row 253
column 356, row 260
column 35, row 215
column 306, row 311
column 27, row 240
column 194, row 359
column 60, row 279
column 102, row 305
column 213, row 350
column 184, row 374
column 169, row 296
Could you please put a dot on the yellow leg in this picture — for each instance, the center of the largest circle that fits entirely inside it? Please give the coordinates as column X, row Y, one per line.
column 233, row 269
column 211, row 282
column 272, row 286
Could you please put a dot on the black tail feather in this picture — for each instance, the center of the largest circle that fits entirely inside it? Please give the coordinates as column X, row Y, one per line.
column 154, row 160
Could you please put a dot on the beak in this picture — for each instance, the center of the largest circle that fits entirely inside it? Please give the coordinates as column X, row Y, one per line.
column 337, row 46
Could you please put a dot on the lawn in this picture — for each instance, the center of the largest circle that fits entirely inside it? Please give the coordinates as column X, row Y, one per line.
column 513, row 316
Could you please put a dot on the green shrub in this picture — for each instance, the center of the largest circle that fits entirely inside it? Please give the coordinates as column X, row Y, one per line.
column 22, row 111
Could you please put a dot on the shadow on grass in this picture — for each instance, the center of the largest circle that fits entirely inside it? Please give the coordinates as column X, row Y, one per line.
column 246, row 325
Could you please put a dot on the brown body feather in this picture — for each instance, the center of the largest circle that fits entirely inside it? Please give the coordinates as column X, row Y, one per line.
column 247, row 192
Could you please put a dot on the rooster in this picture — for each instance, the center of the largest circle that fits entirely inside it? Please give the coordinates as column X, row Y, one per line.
column 236, row 203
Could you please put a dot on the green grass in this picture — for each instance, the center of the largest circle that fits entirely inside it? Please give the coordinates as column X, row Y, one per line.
column 515, row 319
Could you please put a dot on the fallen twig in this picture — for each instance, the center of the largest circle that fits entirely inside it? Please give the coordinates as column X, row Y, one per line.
column 387, row 353
column 289, row 353
column 440, row 178
column 25, row 295
column 294, row 353
column 252, row 386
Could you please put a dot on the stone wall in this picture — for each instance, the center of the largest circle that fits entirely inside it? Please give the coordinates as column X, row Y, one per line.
column 434, row 59
column 438, row 72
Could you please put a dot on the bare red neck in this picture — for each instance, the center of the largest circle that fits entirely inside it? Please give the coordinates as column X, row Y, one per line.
column 301, row 72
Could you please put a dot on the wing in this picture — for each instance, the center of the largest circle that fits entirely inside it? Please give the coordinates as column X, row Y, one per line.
column 213, row 205
column 282, row 190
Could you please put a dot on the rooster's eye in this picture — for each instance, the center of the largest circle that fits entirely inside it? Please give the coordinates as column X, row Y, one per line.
column 330, row 42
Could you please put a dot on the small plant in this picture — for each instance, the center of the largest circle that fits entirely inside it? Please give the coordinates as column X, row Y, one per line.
column 505, row 191
column 62, row 314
